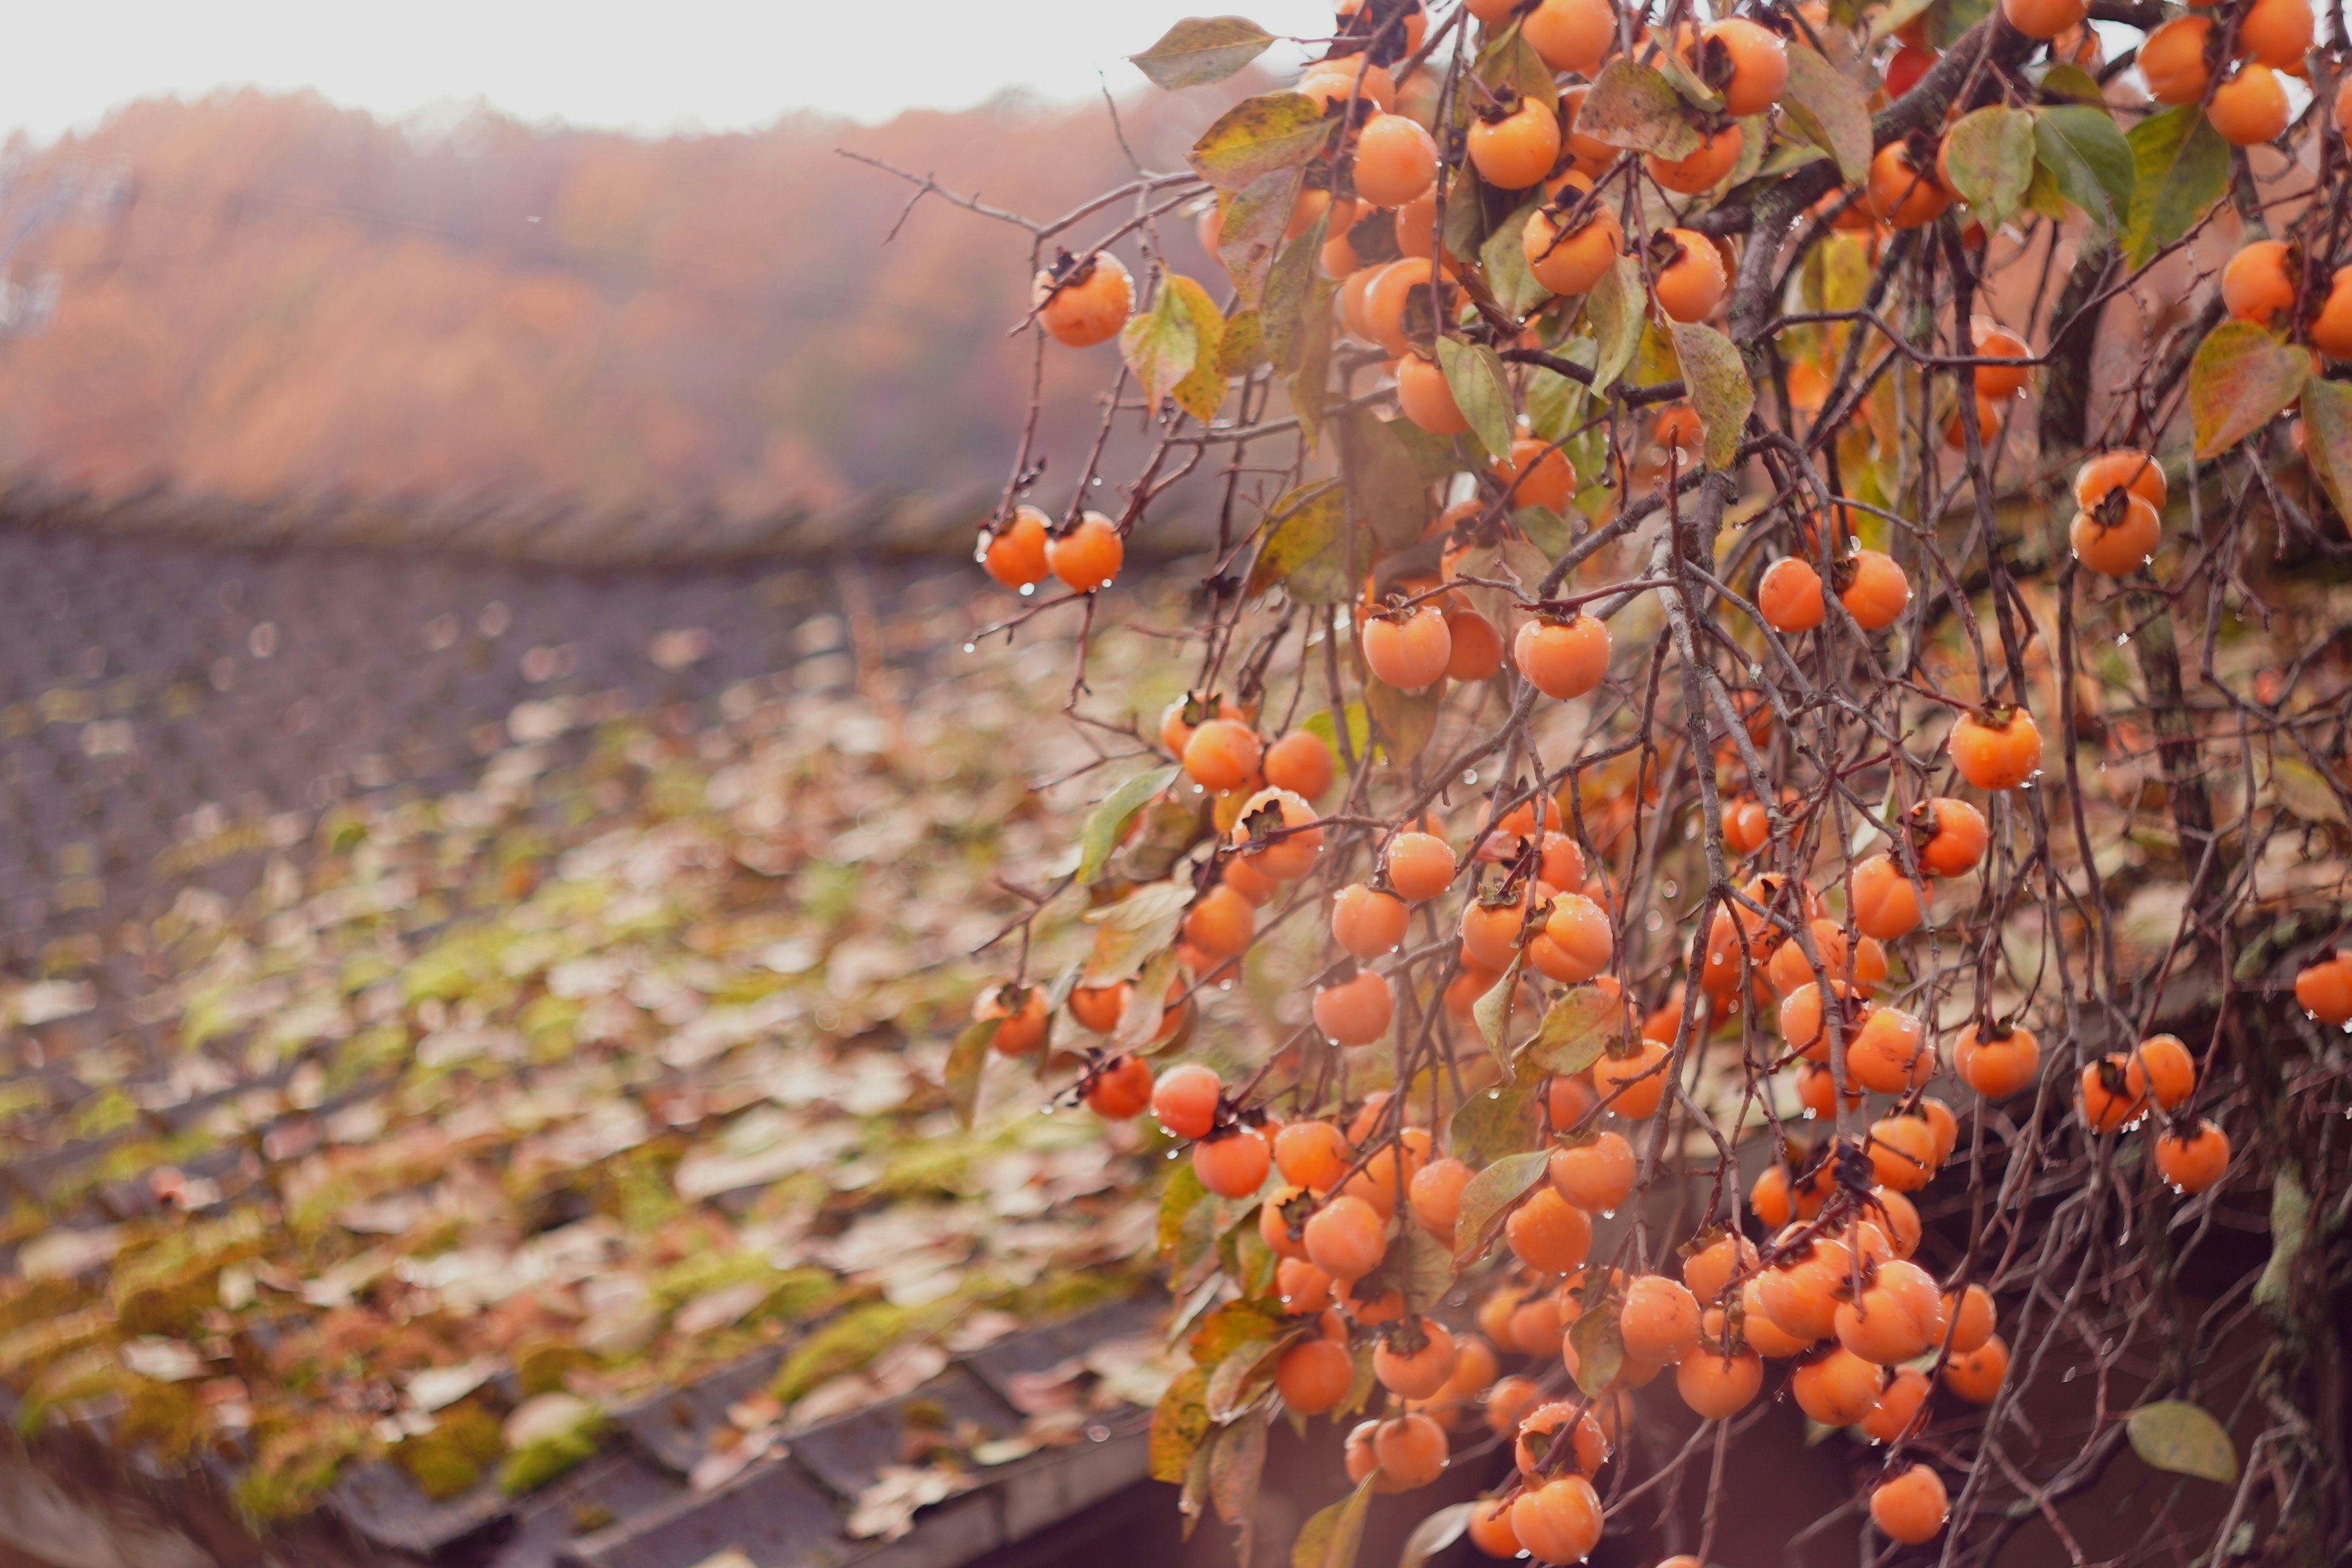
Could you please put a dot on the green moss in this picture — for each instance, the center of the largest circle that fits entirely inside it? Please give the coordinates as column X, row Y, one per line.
column 449, row 1460
column 535, row 1464
column 164, row 1418
column 844, row 1345
column 541, row 1368
column 108, row 1110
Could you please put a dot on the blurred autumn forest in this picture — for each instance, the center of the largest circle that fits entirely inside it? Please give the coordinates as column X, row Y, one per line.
column 261, row 298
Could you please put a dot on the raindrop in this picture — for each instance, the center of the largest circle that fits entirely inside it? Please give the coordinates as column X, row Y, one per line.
column 1027, row 589
column 969, row 648
column 2122, row 638
column 1471, row 777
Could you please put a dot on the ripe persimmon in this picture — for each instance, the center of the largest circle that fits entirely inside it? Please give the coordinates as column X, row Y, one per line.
column 1013, row 552
column 1947, row 835
column 1088, row 554
column 1898, row 1315
column 1547, row 1233
column 2193, row 1159
column 1901, row 1152
column 1687, row 272
column 2045, row 18
column 1837, row 1388
column 2258, row 282
column 1435, row 1196
column 1709, row 1271
column 1898, row 1404
column 1994, row 340
column 1222, row 754
column 1700, row 168
column 1337, row 80
column 1903, row 189
column 1997, row 747
column 1574, row 943
column 1659, row 1321
column 1408, row 649
column 1412, row 1451
column 1537, row 473
column 1355, row 1012
column 1996, row 1059
column 1746, row 825
column 1121, row 1087
column 1476, row 649
column 1717, row 1383
column 1638, row 1080
column 1558, row 1521
column 1415, row 1360
column 1233, row 1164
column 1911, row 1507
column 1418, row 865
column 2331, row 330
column 1314, row 1375
column 1185, row 1099
column 1890, row 1053
column 1571, row 35
column 2172, row 58
column 1425, row 398
column 2323, row 989
column 1788, row 596
column 1976, row 1375
column 2275, row 32
column 1271, row 812
column 1021, row 1014
column 1905, row 66
column 1345, row 1238
column 1562, row 658
column 1513, row 144
column 1873, row 588
column 1366, row 921
column 1972, row 1315
column 2163, row 1066
column 2105, row 1096
column 1084, row 301
column 1300, row 763
column 1595, row 1175
column 1395, row 161
column 1748, row 64
column 1221, row 922
column 1311, row 1154
column 1884, row 902
column 1571, row 260
column 1489, row 1530
column 2125, row 467
column 2249, row 107
column 1303, row 1288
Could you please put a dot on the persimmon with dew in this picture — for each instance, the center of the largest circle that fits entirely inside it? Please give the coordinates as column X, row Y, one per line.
column 1817, row 1090
column 1435, row 1196
column 1997, row 1059
column 1995, row 341
column 1395, row 161
column 1537, row 473
column 1890, row 1053
column 1476, row 647
column 1087, row 556
column 1764, row 1336
column 1911, row 1507
column 1423, row 398
column 1574, row 943
column 1687, row 274
column 1789, row 968
column 1947, row 835
column 1346, row 1238
column 2106, row 1095
column 1547, row 1233
column 2125, row 468
column 1837, row 1389
column 1898, row 1315
column 2275, row 32
column 2258, row 282
column 1282, row 1217
column 1898, row 1404
column 1596, row 1175
column 1415, row 1360
column 1535, row 1325
column 1509, row 1402
column 1571, row 35
column 1302, row 1287
column 1903, row 190
column 1311, row 1154
column 2162, row 1067
column 1185, row 1099
column 1748, row 64
column 1558, row 1521
column 1513, row 146
column 1098, row 1007
column 1769, row 1197
column 1709, row 1271
column 1490, row 934
column 1120, row 1088
column 1271, row 812
column 1873, row 588
column 1637, row 1079
column 2323, row 989
column 1747, row 826
column 1588, row 155
column 1567, row 1097
column 1562, row 659
column 1367, row 921
column 1014, row 553
column 1084, row 301
column 1403, row 306
column 2250, row 108
column 1904, row 70
column 1700, row 168
column 2194, row 1158
column 1896, row 1215
column 1300, row 763
column 1355, row 1012
column 1314, row 1375
column 1902, row 1151
column 1997, row 748
column 1412, row 1450
column 1020, row 1012
column 1570, row 258
column 1489, row 1530
column 2045, row 18
column 1408, row 649
column 1973, row 1317
column 1335, row 81
column 1976, row 1375
column 1659, row 1319
column 2172, row 58
column 1222, row 754
column 1788, row 596
column 1884, row 902
column 1803, row 1019
column 1420, row 866
column 1717, row 1384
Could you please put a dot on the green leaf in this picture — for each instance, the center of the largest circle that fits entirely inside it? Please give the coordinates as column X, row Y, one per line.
column 1482, row 390
column 1831, row 111
column 1403, row 720
column 1199, row 393
column 1509, row 60
column 1302, row 546
column 2086, row 158
column 1248, row 1366
column 1250, row 235
column 1555, row 404
column 1721, row 391
column 1134, row 930
column 1787, row 155
column 1494, row 1122
column 1179, row 1422
column 1172, row 347
column 1231, row 1326
column 1990, row 155
column 1437, row 1532
column 1359, row 727
column 2042, row 196
column 1543, row 528
column 2180, row 166
column 1488, row 1194
column 1100, row 835
column 1330, row 1536
column 2072, row 81
column 1199, row 50
column 1634, row 106
column 1177, row 1201
column 2327, row 439
column 1464, row 229
column 1616, row 309
column 965, row 1059
column 1504, row 262
column 2241, row 379
column 2290, row 1223
column 1241, row 348
column 1140, row 1020
column 1258, row 135
column 1576, row 1030
column 1308, row 386
column 1492, row 1012
column 1600, row 1350
column 2303, row 791
column 1384, row 484
column 2175, row 1435
column 1293, row 304
column 1685, row 81
column 1234, row 1472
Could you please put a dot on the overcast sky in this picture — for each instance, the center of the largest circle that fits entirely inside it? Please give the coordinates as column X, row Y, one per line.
column 654, row 66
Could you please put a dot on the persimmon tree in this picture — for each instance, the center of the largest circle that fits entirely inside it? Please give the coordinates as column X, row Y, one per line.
column 1760, row 804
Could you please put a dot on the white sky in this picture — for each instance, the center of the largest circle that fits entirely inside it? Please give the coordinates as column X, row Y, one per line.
column 653, row 65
